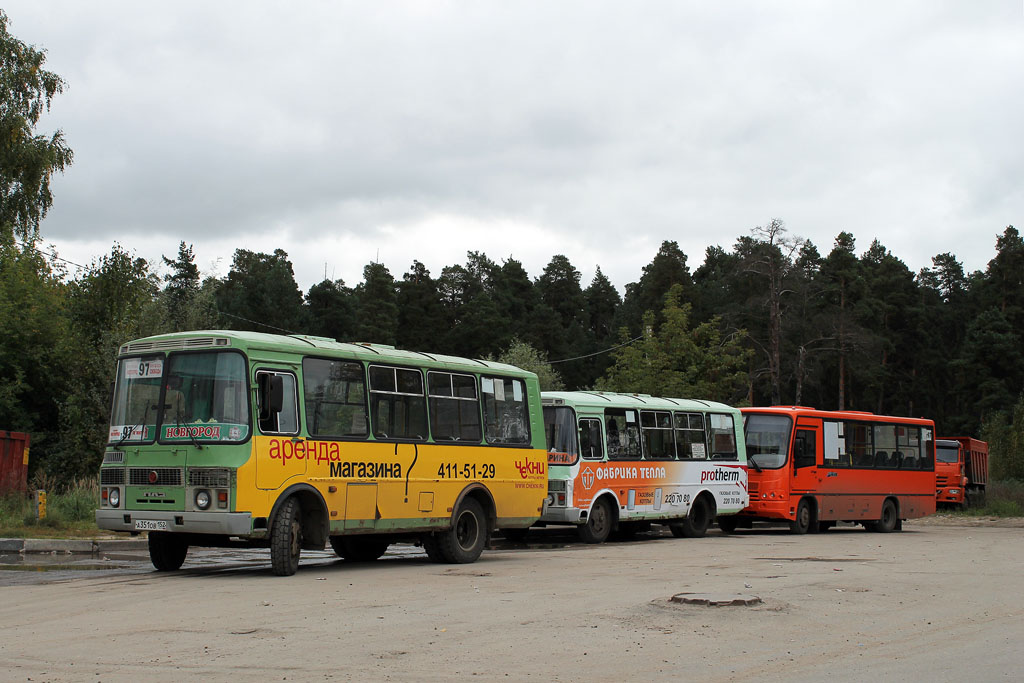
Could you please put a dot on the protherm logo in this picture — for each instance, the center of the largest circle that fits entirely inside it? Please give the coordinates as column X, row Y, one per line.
column 719, row 475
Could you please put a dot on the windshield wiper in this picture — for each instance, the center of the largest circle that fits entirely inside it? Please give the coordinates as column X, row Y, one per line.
column 188, row 432
column 751, row 461
column 145, row 414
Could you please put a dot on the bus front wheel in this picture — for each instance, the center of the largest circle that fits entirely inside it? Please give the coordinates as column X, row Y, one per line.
column 286, row 538
column 803, row 521
column 728, row 524
column 166, row 551
column 599, row 523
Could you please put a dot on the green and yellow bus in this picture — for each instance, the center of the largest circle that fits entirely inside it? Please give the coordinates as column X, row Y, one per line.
column 225, row 439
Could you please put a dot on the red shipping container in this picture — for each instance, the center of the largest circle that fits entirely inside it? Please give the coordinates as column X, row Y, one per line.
column 14, row 462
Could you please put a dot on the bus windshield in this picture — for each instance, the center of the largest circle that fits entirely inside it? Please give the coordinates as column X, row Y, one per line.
column 136, row 399
column 560, row 430
column 767, row 439
column 205, row 398
column 947, row 453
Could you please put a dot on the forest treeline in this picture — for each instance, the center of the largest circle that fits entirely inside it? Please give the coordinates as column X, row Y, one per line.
column 768, row 320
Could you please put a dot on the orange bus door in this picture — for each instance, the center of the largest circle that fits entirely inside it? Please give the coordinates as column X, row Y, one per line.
column 805, row 478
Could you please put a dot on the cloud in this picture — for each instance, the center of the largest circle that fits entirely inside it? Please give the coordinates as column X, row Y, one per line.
column 596, row 130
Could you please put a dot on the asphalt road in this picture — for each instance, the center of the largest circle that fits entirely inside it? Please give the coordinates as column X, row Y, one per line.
column 932, row 602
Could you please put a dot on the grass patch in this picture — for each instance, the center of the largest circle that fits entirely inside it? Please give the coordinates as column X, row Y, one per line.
column 1002, row 499
column 70, row 513
column 1005, row 499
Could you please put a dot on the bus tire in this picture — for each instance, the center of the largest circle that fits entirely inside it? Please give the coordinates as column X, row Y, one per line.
column 356, row 549
column 803, row 522
column 432, row 548
column 887, row 522
column 696, row 523
column 728, row 524
column 599, row 523
column 167, row 551
column 286, row 538
column 465, row 540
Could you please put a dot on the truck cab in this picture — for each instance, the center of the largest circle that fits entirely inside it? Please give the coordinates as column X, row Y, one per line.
column 961, row 471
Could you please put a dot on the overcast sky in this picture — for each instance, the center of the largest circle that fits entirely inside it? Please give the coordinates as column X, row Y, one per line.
column 350, row 132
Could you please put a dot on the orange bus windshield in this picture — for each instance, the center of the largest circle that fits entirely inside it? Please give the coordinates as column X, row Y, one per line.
column 767, row 439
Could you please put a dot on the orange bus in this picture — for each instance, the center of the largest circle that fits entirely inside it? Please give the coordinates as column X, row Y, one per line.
column 812, row 468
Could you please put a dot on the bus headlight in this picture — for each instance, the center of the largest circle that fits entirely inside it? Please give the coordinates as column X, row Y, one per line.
column 202, row 499
column 114, row 498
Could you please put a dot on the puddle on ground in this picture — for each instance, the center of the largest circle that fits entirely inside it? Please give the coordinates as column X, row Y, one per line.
column 44, row 562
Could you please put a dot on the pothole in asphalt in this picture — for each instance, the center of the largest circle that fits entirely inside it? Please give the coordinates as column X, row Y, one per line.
column 816, row 559
column 716, row 599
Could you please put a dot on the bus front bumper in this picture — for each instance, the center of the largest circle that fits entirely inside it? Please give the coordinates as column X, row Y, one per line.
column 768, row 509
column 223, row 523
column 559, row 515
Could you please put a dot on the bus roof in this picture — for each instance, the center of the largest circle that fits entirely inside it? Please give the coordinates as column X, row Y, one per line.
column 836, row 414
column 609, row 399
column 311, row 346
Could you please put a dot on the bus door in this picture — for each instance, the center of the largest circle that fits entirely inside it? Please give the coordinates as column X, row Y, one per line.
column 806, row 450
column 280, row 449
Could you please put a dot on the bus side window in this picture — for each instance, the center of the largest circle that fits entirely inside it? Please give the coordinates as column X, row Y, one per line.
column 506, row 415
column 723, row 437
column 591, row 444
column 691, row 441
column 334, row 393
column 656, row 429
column 272, row 418
column 454, row 407
column 623, row 432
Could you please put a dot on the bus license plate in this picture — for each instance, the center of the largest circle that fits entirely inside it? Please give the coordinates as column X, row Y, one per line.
column 150, row 525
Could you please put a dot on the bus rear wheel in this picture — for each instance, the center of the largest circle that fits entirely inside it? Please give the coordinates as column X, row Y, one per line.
column 599, row 523
column 696, row 523
column 356, row 549
column 167, row 551
column 888, row 521
column 286, row 538
column 464, row 541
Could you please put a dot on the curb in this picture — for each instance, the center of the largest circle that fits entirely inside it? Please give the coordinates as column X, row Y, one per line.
column 63, row 546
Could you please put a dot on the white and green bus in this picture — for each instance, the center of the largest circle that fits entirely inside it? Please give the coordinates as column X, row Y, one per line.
column 626, row 461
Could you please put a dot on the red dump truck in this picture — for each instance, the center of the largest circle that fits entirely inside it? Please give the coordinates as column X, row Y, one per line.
column 961, row 471
column 13, row 462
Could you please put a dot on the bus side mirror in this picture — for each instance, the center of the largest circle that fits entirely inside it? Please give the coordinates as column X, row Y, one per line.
column 271, row 395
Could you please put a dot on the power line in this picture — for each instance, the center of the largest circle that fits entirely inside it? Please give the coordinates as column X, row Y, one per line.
column 53, row 255
column 256, row 322
column 597, row 353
